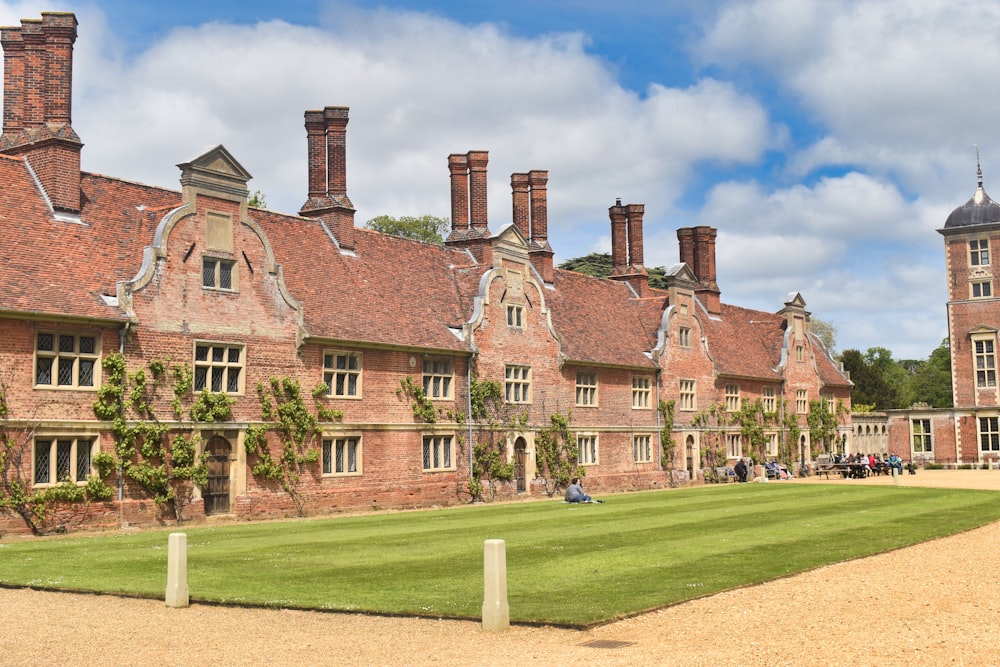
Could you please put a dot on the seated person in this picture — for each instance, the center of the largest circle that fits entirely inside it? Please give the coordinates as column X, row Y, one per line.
column 575, row 494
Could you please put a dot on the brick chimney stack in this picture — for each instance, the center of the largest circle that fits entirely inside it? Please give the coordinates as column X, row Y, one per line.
column 626, row 246
column 38, row 103
column 522, row 212
column 697, row 250
column 469, row 211
column 539, row 249
column 326, row 148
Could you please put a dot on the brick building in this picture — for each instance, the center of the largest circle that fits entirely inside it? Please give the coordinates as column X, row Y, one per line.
column 231, row 296
column 968, row 433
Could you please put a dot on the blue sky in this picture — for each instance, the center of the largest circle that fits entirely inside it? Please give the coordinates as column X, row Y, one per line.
column 827, row 140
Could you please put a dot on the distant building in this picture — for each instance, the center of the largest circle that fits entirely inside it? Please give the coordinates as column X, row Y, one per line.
column 232, row 296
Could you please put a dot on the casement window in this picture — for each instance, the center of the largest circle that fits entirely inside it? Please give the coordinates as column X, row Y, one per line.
column 67, row 361
column 642, row 387
column 438, row 376
column 733, row 445
column 801, row 401
column 772, row 444
column 517, row 384
column 989, row 434
column 986, row 363
column 684, row 337
column 515, row 316
column 687, row 395
column 979, row 252
column 831, row 403
column 342, row 374
column 732, row 397
column 586, row 389
column 60, row 459
column 921, row 431
column 217, row 273
column 586, row 449
column 768, row 400
column 341, row 456
column 437, row 453
column 799, row 354
column 219, row 367
column 642, row 448
column 981, row 289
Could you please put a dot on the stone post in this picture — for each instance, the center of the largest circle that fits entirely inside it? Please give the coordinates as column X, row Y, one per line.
column 177, row 587
column 496, row 613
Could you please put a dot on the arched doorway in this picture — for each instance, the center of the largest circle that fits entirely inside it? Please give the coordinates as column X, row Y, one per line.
column 520, row 464
column 216, row 493
column 689, row 453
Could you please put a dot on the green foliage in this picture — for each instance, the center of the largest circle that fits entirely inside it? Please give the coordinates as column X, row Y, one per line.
column 493, row 421
column 257, row 200
column 599, row 265
column 426, row 228
column 668, row 447
column 822, row 420
column 714, row 423
column 556, row 454
column 37, row 507
column 754, row 423
column 889, row 384
column 825, row 331
column 423, row 408
column 164, row 469
column 298, row 429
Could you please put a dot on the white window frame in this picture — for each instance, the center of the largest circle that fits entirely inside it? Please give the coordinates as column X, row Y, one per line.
column 336, row 456
column 438, row 378
column 79, row 453
column 588, row 451
column 989, row 434
column 219, row 366
column 82, row 366
column 732, row 398
column 343, row 380
column 768, row 399
column 772, row 444
column 985, row 362
column 438, row 453
column 801, row 402
column 981, row 289
column 734, row 445
column 979, row 252
column 642, row 391
column 586, row 389
column 517, row 384
column 642, row 448
column 921, row 439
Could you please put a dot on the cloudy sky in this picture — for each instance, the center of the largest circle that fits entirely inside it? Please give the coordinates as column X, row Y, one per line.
column 826, row 140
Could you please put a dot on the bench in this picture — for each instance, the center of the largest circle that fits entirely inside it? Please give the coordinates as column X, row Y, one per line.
column 725, row 475
column 841, row 469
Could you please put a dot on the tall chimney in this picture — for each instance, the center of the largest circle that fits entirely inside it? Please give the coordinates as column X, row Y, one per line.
column 326, row 150
column 458, row 168
column 697, row 248
column 635, row 213
column 519, row 195
column 539, row 249
column 478, row 209
column 685, row 239
column 619, row 238
column 38, row 88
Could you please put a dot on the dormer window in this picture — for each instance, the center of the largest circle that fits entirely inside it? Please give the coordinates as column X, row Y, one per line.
column 217, row 273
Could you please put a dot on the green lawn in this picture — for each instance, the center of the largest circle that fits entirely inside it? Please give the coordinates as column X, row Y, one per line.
column 567, row 564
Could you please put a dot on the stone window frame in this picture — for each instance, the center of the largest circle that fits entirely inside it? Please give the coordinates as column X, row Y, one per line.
column 517, row 384
column 81, row 365
column 989, row 434
column 921, row 439
column 981, row 288
column 768, row 400
column 801, row 402
column 979, row 252
column 63, row 459
column 336, row 449
column 687, row 394
column 984, row 361
column 343, row 380
column 438, row 375
column 515, row 316
column 586, row 389
column 642, row 391
column 800, row 354
column 216, row 271
column 734, row 445
column 772, row 444
column 210, row 366
column 684, row 337
column 642, row 448
column 437, row 452
column 588, row 449
column 732, row 398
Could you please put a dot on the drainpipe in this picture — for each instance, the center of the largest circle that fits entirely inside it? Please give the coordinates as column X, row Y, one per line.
column 121, row 468
column 659, row 426
column 468, row 397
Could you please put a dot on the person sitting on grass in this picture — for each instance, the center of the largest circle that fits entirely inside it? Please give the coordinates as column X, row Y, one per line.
column 575, row 494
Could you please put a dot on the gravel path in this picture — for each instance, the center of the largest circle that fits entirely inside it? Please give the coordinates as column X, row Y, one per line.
column 936, row 603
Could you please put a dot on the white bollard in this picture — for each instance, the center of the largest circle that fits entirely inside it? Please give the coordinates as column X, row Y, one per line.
column 177, row 586
column 895, row 476
column 496, row 613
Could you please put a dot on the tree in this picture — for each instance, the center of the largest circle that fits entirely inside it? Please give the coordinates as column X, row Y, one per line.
column 599, row 265
column 426, row 228
column 931, row 382
column 257, row 200
column 871, row 375
column 825, row 331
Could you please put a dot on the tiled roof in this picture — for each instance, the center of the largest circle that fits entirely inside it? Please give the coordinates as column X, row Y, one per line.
column 62, row 268
column 745, row 342
column 829, row 370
